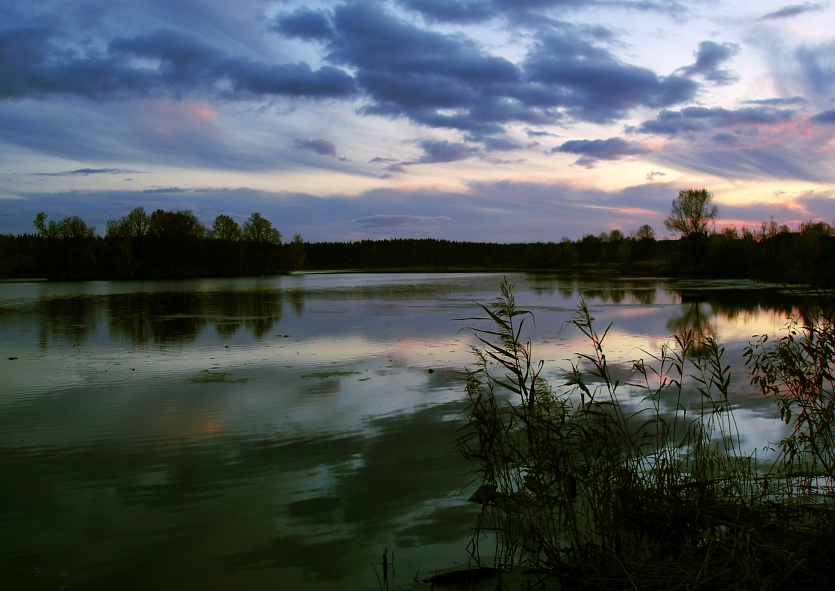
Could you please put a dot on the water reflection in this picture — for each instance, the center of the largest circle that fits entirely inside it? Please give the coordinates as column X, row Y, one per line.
column 261, row 433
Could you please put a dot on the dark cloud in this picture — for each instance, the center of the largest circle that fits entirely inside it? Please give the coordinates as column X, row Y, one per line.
column 397, row 221
column 318, row 146
column 792, row 10
column 592, row 84
column 655, row 173
column 435, row 151
column 533, row 133
column 709, row 57
column 448, row 81
column 303, row 24
column 495, row 144
column 779, row 102
column 89, row 171
column 591, row 151
column 479, row 11
column 695, row 119
column 723, row 137
column 817, row 68
column 824, row 117
column 379, row 160
column 33, row 64
column 166, row 190
column 451, row 11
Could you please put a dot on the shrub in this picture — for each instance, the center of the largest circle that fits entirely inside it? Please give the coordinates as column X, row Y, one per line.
column 605, row 494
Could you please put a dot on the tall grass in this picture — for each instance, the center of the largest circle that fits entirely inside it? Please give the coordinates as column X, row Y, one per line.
column 610, row 493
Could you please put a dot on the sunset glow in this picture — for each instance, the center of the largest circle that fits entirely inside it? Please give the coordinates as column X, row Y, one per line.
column 476, row 120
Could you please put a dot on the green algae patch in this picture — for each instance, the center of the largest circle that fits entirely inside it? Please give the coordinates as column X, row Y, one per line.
column 208, row 376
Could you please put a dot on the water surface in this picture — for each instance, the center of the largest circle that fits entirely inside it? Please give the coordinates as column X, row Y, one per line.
column 278, row 433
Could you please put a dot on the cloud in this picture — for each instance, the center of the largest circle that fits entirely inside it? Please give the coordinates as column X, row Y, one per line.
column 654, row 173
column 696, row 119
column 534, row 133
column 591, row 83
column 303, row 24
column 778, row 102
column 792, row 10
column 167, row 190
column 448, row 81
column 709, row 57
column 495, row 144
column 817, row 68
column 398, row 221
column 318, row 146
column 437, row 151
column 729, row 156
column 824, row 117
column 479, row 11
column 451, row 11
column 89, row 171
column 591, row 151
column 164, row 62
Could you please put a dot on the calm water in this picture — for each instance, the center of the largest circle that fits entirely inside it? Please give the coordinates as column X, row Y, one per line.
column 279, row 433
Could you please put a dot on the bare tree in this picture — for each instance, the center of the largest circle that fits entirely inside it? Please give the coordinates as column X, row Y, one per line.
column 259, row 229
column 226, row 229
column 692, row 210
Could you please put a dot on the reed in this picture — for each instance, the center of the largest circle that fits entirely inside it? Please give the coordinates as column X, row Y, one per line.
column 606, row 493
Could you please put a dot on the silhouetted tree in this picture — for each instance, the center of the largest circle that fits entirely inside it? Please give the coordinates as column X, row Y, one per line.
column 295, row 253
column 69, row 250
column 226, row 234
column 259, row 229
column 692, row 210
column 127, row 236
column 176, row 238
column 263, row 241
column 225, row 228
column 645, row 232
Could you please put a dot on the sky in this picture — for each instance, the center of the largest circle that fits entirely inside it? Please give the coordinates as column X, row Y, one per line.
column 486, row 120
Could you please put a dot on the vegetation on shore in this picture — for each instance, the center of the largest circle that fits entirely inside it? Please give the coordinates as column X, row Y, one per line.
column 168, row 244
column 645, row 485
column 164, row 244
column 771, row 253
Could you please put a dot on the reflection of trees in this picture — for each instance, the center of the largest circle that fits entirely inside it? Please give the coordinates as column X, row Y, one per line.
column 259, row 310
column 179, row 317
column 264, row 311
column 695, row 321
column 644, row 296
column 170, row 317
column 297, row 301
column 67, row 319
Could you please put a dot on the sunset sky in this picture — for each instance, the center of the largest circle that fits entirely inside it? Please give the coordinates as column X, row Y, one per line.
column 494, row 120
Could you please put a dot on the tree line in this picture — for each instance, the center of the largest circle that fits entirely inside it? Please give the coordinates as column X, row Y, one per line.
column 176, row 244
column 163, row 244
column 773, row 253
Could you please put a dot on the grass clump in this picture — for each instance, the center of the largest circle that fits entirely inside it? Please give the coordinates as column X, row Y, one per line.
column 653, row 493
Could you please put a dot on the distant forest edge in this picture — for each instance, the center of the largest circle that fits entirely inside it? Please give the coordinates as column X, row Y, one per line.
column 176, row 244
column 162, row 245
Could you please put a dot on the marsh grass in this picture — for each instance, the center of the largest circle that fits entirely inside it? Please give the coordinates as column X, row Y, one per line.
column 606, row 493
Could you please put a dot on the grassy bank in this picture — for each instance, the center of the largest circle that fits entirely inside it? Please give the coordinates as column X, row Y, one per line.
column 603, row 490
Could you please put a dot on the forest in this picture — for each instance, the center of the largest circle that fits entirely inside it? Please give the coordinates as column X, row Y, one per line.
column 171, row 244
column 162, row 245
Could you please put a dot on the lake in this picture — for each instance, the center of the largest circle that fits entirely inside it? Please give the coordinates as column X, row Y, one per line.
column 279, row 433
